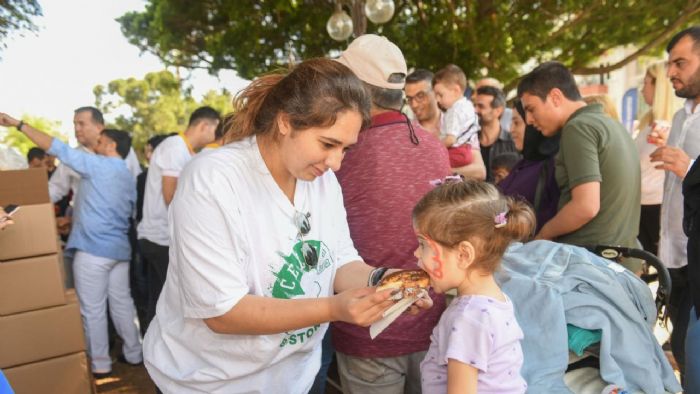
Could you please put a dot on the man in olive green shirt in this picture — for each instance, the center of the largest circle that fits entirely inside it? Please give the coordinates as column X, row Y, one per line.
column 597, row 168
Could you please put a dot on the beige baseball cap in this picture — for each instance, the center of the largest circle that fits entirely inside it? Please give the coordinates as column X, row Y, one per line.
column 373, row 59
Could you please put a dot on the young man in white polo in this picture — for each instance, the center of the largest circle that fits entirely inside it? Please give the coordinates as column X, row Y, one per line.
column 168, row 160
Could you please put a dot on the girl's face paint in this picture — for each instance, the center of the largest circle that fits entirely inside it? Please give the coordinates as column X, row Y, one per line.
column 428, row 254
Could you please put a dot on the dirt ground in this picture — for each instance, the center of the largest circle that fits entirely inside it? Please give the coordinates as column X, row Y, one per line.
column 126, row 379
column 135, row 380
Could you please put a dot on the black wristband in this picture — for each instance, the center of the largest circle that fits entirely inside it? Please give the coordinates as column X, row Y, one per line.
column 19, row 126
column 375, row 276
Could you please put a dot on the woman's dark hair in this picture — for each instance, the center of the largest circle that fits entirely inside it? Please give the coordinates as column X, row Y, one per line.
column 536, row 146
column 312, row 94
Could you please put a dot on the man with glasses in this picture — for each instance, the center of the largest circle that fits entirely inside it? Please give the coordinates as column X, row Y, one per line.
column 421, row 99
column 383, row 176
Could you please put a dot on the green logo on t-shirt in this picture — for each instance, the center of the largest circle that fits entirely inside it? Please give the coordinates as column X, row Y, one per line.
column 289, row 283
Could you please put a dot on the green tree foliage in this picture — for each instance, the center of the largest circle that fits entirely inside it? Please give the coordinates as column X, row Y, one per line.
column 157, row 104
column 498, row 37
column 12, row 137
column 16, row 15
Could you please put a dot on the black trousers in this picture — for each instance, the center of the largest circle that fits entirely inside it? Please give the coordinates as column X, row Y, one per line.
column 156, row 257
column 679, row 312
column 649, row 227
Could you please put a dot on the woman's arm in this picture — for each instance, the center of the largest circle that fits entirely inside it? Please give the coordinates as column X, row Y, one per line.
column 461, row 378
column 352, row 276
column 257, row 315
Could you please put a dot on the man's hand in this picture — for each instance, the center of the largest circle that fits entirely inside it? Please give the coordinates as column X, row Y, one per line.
column 5, row 219
column 659, row 133
column 63, row 224
column 7, row 120
column 672, row 159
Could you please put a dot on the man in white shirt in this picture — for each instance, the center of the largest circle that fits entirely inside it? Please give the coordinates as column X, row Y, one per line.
column 675, row 158
column 168, row 160
column 88, row 124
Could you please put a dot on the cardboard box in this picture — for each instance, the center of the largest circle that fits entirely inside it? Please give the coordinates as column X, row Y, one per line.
column 39, row 335
column 33, row 234
column 30, row 284
column 34, row 231
column 24, row 187
column 64, row 375
column 71, row 296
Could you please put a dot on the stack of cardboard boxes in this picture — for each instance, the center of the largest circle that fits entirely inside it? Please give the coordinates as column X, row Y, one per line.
column 42, row 347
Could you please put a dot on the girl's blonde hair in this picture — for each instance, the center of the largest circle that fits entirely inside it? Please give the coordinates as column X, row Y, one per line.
column 666, row 103
column 477, row 212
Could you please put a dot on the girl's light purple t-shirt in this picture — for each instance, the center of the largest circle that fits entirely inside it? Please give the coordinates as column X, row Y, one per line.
column 479, row 331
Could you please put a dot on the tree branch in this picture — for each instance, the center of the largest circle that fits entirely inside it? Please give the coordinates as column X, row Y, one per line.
column 651, row 44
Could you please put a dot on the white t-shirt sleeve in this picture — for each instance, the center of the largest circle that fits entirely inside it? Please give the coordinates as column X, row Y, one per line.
column 132, row 163
column 60, row 182
column 207, row 246
column 173, row 157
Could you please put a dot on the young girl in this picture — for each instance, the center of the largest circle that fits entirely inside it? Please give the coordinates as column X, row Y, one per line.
column 463, row 229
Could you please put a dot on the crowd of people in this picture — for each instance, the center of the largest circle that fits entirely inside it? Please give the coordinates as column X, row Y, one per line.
column 248, row 252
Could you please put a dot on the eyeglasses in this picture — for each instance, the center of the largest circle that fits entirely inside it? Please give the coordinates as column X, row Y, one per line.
column 418, row 98
column 303, row 224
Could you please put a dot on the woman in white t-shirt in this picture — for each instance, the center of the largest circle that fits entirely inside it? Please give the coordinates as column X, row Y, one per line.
column 659, row 95
column 261, row 257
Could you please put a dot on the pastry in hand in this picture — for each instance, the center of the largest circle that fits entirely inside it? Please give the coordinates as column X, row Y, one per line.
column 410, row 282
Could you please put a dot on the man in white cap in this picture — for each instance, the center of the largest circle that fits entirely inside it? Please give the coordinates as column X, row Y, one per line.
column 383, row 177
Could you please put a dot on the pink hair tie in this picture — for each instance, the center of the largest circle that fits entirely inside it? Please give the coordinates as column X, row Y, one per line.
column 500, row 219
column 448, row 179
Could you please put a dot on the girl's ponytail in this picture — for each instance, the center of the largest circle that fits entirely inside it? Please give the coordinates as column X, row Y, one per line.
column 521, row 220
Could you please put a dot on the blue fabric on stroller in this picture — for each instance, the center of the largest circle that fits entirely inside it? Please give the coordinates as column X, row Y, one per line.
column 553, row 284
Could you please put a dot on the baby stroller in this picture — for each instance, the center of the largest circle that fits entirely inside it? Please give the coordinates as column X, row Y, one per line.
column 582, row 375
column 663, row 291
column 558, row 287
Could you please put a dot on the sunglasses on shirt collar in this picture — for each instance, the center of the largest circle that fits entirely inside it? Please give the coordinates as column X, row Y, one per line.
column 303, row 224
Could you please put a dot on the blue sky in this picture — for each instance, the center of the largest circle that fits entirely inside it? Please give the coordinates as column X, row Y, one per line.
column 79, row 45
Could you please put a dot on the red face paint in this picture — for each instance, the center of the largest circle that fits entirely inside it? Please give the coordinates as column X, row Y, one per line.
column 436, row 272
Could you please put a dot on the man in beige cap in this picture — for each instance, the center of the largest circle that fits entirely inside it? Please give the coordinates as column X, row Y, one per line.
column 383, row 177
